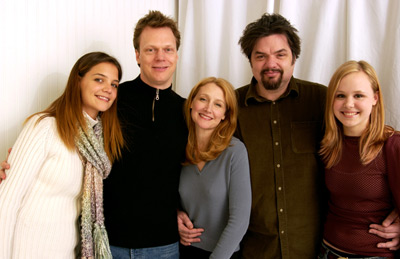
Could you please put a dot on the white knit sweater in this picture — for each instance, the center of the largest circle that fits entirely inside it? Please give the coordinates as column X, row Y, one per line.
column 40, row 199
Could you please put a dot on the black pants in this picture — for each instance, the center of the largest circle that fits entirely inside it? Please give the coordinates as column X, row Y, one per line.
column 191, row 252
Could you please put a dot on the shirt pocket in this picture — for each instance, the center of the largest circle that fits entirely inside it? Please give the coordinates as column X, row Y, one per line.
column 305, row 136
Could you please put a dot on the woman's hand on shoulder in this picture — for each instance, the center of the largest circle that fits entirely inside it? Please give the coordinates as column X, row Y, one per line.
column 4, row 166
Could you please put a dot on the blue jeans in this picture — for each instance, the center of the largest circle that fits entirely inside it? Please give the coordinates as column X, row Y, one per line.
column 165, row 252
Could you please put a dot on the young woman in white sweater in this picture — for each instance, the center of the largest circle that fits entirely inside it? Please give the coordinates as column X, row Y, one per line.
column 51, row 202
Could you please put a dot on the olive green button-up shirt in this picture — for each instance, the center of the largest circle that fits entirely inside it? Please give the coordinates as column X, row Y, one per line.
column 282, row 138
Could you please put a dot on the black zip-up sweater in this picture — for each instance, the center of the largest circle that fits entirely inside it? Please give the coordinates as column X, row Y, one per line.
column 141, row 192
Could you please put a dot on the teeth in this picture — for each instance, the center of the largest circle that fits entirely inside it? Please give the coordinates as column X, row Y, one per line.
column 103, row 98
column 349, row 113
column 205, row 116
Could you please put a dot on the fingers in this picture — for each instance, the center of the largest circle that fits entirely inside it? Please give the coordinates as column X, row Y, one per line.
column 4, row 166
column 390, row 229
column 188, row 239
column 189, row 235
column 2, row 176
column 389, row 235
column 386, row 232
column 393, row 244
column 183, row 219
column 187, row 232
column 185, row 243
column 393, row 216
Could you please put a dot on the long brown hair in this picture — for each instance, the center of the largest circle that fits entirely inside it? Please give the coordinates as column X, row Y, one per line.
column 67, row 109
column 376, row 133
column 222, row 134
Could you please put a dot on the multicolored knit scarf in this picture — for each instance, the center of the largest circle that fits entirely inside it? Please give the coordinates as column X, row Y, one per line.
column 97, row 166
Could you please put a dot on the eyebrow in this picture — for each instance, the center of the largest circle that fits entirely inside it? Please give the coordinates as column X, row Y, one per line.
column 278, row 51
column 156, row 46
column 220, row 100
column 354, row 92
column 281, row 50
column 100, row 74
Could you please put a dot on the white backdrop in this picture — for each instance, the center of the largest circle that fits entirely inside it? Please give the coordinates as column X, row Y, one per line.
column 332, row 32
column 41, row 40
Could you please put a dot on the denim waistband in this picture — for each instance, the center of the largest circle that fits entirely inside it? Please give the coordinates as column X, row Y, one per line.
column 330, row 253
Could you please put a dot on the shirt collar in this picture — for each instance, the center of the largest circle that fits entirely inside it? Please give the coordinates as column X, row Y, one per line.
column 168, row 89
column 92, row 122
column 293, row 90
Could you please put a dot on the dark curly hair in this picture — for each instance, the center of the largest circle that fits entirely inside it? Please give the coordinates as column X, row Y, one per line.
column 267, row 25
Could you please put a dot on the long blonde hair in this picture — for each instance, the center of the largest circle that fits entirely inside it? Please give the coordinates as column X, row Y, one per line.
column 67, row 109
column 223, row 133
column 376, row 133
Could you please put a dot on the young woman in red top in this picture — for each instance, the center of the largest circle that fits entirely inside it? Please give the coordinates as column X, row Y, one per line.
column 362, row 164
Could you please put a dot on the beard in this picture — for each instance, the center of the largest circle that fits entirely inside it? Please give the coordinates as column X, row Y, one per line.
column 268, row 83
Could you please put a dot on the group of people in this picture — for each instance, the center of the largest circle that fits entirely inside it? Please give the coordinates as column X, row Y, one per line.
column 225, row 173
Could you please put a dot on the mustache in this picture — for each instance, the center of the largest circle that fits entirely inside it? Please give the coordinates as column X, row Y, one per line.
column 271, row 70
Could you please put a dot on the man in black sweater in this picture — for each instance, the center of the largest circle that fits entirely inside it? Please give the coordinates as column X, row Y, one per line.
column 141, row 193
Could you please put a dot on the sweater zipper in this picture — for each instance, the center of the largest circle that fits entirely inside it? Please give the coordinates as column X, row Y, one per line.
column 156, row 98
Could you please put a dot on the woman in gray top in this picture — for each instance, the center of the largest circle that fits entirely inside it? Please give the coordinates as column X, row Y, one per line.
column 214, row 186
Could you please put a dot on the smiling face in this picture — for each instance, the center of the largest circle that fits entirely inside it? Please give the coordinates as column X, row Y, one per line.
column 272, row 64
column 99, row 88
column 353, row 103
column 157, row 56
column 208, row 108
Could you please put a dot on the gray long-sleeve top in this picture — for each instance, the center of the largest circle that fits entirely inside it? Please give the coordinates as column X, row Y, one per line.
column 218, row 199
